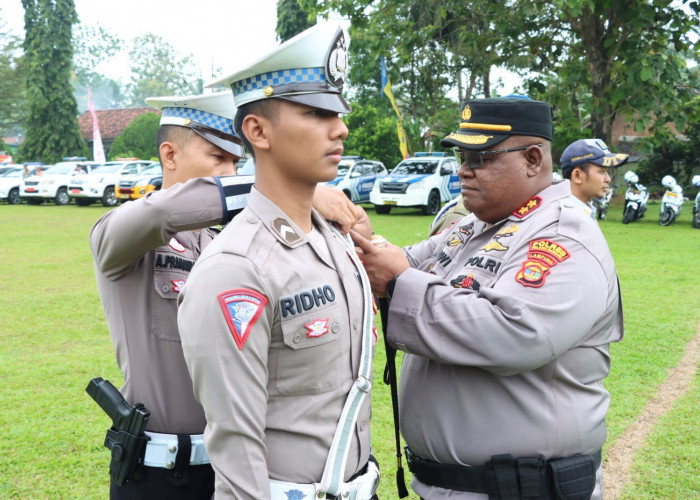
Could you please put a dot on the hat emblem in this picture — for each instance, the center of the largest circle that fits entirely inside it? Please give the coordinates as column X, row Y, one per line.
column 268, row 91
column 466, row 113
column 337, row 64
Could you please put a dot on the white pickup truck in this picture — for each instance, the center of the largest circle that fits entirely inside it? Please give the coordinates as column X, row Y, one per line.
column 425, row 180
column 100, row 184
column 53, row 182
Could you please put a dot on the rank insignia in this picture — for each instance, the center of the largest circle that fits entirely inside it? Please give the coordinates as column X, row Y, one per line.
column 529, row 206
column 285, row 230
column 465, row 282
column 176, row 245
column 317, row 328
column 177, row 285
column 532, row 274
column 242, row 308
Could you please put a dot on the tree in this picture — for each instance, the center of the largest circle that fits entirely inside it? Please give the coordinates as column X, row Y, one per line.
column 372, row 134
column 156, row 70
column 138, row 140
column 94, row 48
column 292, row 19
column 13, row 97
column 618, row 58
column 52, row 125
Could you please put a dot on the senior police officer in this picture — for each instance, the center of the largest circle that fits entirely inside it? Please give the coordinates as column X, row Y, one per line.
column 586, row 164
column 143, row 252
column 506, row 321
column 277, row 316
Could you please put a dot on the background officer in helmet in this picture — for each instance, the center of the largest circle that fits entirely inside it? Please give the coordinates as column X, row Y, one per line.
column 277, row 316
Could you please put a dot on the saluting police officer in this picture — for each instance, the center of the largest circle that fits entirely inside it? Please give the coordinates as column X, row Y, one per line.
column 277, row 316
column 143, row 253
column 506, row 320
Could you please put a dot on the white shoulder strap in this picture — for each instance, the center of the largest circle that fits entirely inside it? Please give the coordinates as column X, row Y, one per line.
column 332, row 480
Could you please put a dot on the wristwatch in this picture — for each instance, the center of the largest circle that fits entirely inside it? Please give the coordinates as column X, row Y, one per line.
column 390, row 286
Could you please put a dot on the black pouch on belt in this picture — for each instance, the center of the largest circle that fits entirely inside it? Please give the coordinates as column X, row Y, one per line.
column 573, row 478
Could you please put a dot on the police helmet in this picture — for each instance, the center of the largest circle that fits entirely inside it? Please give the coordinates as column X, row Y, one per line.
column 668, row 182
column 631, row 177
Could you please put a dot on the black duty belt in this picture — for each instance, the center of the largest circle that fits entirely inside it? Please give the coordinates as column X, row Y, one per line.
column 507, row 478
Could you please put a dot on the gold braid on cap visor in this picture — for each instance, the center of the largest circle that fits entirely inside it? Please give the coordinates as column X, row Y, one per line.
column 470, row 139
column 487, row 126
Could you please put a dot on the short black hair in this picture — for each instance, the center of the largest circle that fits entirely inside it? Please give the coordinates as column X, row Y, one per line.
column 172, row 133
column 266, row 108
column 566, row 173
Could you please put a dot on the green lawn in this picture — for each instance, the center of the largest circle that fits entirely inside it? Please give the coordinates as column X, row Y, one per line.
column 54, row 340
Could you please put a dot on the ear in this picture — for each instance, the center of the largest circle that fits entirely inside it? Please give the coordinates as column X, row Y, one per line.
column 534, row 158
column 168, row 151
column 256, row 129
column 577, row 176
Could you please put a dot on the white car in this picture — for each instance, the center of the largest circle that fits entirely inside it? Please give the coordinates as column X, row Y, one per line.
column 53, row 182
column 426, row 180
column 100, row 184
column 356, row 177
column 9, row 185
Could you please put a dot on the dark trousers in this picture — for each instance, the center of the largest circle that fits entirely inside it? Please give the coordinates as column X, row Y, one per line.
column 192, row 482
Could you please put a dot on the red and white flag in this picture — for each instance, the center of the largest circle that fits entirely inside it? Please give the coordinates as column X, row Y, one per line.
column 98, row 152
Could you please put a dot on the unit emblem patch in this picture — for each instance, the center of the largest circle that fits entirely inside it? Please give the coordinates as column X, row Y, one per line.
column 541, row 257
column 241, row 308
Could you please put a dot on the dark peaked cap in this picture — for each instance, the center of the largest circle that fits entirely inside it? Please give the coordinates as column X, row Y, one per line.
column 486, row 122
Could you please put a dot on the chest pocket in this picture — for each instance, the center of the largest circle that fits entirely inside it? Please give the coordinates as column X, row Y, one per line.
column 309, row 340
column 170, row 272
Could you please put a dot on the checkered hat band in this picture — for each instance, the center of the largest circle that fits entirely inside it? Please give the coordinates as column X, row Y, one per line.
column 171, row 116
column 275, row 78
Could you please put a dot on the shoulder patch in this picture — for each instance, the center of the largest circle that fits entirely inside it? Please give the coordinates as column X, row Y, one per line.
column 529, row 206
column 541, row 257
column 285, row 231
column 242, row 308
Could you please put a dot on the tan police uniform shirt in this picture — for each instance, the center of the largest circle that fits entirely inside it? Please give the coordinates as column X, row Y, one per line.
column 271, row 329
column 507, row 329
column 143, row 252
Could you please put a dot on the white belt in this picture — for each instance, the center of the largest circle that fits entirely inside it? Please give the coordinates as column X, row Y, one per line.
column 360, row 488
column 161, row 450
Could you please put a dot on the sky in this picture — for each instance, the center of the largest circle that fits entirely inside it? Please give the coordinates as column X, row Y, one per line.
column 223, row 34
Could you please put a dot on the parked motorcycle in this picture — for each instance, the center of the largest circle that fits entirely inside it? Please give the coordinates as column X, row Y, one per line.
column 601, row 204
column 671, row 202
column 696, row 206
column 636, row 198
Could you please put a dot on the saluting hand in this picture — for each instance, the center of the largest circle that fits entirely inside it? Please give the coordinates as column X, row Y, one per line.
column 381, row 263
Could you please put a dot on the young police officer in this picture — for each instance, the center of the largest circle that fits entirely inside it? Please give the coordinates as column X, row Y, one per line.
column 506, row 319
column 276, row 318
column 143, row 253
column 586, row 164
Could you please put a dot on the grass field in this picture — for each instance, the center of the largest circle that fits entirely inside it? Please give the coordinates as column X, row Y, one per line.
column 54, row 340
